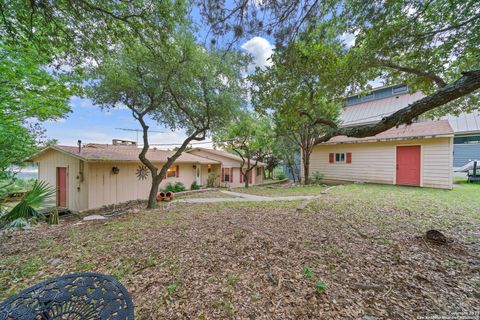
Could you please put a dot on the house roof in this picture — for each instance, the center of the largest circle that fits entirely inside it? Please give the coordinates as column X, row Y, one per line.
column 430, row 129
column 373, row 111
column 465, row 123
column 105, row 152
column 225, row 154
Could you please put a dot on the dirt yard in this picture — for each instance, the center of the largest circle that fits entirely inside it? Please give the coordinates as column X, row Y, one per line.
column 355, row 253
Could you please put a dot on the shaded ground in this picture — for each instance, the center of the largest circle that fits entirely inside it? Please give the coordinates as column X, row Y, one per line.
column 268, row 261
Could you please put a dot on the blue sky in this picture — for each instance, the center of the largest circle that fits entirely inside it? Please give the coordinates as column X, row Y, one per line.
column 89, row 123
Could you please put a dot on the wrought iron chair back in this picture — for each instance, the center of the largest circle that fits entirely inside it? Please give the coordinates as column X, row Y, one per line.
column 78, row 296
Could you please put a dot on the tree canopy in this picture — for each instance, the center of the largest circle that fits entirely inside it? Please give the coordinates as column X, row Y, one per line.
column 250, row 136
column 430, row 45
column 180, row 85
column 28, row 93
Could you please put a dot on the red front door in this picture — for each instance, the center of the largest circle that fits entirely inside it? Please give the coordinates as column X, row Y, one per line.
column 408, row 165
column 62, row 187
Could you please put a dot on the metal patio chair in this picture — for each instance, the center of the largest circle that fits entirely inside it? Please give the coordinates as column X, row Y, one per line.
column 78, row 296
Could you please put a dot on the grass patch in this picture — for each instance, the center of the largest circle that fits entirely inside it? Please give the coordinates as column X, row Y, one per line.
column 246, row 259
column 283, row 190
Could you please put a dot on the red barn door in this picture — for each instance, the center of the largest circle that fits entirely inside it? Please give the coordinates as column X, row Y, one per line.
column 408, row 165
column 61, row 187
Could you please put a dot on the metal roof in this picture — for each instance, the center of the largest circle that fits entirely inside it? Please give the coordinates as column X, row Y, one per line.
column 373, row 111
column 431, row 129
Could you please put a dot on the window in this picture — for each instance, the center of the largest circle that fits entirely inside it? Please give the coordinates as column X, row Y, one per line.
column 172, row 172
column 209, row 168
column 227, row 175
column 339, row 157
column 259, row 171
column 399, row 89
column 368, row 97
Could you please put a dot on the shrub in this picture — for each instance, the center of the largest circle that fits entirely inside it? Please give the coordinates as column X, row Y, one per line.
column 281, row 176
column 211, row 180
column 317, row 177
column 174, row 187
column 194, row 186
column 26, row 209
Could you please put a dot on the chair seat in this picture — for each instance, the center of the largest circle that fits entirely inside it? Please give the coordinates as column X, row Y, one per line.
column 78, row 296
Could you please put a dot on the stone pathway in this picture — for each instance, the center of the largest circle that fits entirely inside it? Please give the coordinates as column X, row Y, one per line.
column 243, row 197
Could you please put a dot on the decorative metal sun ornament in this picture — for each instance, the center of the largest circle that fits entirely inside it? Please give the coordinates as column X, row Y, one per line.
column 142, row 173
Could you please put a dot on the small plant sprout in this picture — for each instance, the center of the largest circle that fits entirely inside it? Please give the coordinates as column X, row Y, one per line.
column 308, row 273
column 320, row 286
column 231, row 279
column 172, row 287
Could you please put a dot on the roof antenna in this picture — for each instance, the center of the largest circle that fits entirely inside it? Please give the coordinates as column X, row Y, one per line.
column 79, row 142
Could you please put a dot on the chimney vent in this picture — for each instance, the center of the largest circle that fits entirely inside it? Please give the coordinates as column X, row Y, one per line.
column 79, row 142
column 120, row 142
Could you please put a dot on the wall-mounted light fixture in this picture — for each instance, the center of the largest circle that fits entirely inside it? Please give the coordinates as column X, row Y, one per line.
column 194, row 166
column 115, row 170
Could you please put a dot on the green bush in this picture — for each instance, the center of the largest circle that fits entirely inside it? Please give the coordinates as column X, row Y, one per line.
column 281, row 176
column 194, row 186
column 317, row 177
column 174, row 187
column 26, row 209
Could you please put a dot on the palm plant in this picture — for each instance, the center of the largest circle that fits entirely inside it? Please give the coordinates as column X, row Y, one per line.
column 26, row 209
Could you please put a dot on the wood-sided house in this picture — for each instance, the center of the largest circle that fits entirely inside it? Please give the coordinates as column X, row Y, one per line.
column 420, row 154
column 95, row 175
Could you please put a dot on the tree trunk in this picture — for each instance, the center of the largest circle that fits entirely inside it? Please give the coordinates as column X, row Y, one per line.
column 306, row 166
column 245, row 178
column 152, row 197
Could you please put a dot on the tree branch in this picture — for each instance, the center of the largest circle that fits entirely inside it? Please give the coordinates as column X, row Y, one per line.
column 428, row 75
column 466, row 84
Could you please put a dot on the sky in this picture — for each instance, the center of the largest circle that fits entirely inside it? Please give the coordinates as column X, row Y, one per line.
column 91, row 124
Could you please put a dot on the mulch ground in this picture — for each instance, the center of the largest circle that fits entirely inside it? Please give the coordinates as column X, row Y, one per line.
column 245, row 261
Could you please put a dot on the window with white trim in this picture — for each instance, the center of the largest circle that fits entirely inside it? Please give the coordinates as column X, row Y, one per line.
column 340, row 157
column 227, row 175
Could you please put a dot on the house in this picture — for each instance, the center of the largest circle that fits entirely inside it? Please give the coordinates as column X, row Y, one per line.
column 384, row 101
column 94, row 175
column 419, row 154
column 231, row 164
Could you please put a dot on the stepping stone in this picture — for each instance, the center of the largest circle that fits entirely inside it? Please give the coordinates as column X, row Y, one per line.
column 94, row 217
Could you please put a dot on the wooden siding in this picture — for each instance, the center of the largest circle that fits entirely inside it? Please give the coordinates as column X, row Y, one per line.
column 375, row 162
column 77, row 190
column 226, row 162
column 107, row 188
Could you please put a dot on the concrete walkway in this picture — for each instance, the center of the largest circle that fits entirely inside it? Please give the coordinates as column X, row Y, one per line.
column 243, row 197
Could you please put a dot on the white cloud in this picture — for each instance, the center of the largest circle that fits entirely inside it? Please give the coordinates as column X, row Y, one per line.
column 260, row 49
column 348, row 39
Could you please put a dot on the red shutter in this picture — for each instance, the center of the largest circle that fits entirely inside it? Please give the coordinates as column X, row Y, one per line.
column 241, row 176
column 349, row 157
column 250, row 176
column 331, row 157
column 223, row 174
column 231, row 175
column 177, row 171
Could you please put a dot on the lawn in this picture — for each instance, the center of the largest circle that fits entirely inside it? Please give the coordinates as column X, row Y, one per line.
column 352, row 253
column 279, row 190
